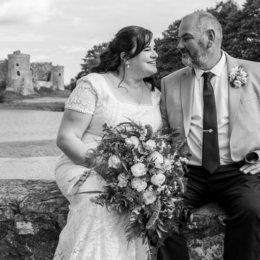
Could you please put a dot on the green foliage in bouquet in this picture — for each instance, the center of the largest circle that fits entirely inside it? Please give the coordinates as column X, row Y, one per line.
column 144, row 175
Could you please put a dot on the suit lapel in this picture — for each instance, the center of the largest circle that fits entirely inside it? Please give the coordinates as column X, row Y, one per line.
column 233, row 95
column 187, row 86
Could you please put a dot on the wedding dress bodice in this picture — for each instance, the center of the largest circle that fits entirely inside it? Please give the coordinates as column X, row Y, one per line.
column 93, row 96
column 92, row 232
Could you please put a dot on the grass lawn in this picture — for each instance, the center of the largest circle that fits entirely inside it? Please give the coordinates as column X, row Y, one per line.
column 10, row 99
column 41, row 148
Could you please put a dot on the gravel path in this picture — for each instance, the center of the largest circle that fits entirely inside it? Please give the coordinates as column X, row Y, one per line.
column 25, row 149
column 32, row 168
column 28, row 160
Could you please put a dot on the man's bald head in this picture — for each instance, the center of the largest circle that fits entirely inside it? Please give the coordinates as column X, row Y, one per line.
column 200, row 38
column 205, row 21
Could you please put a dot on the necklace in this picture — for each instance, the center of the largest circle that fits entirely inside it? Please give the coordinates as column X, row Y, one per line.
column 138, row 101
column 128, row 92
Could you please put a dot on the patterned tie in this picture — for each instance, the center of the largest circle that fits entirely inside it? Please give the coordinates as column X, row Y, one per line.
column 210, row 149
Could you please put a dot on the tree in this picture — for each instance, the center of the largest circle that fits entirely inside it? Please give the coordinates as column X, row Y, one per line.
column 241, row 38
column 241, row 28
column 169, row 58
column 243, row 32
column 223, row 11
column 241, row 35
column 92, row 57
column 226, row 13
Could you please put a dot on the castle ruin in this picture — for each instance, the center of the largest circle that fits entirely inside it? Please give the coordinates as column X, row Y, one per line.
column 3, row 73
column 19, row 75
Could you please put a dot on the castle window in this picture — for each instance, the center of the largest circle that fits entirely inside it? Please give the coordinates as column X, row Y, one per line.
column 49, row 77
column 18, row 73
column 60, row 74
column 17, row 64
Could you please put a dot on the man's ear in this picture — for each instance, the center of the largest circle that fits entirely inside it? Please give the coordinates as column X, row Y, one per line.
column 211, row 37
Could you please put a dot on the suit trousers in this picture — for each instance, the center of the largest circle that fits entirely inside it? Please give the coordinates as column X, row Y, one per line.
column 239, row 195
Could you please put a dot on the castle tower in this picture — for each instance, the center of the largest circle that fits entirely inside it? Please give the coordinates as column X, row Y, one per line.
column 57, row 77
column 19, row 77
column 3, row 73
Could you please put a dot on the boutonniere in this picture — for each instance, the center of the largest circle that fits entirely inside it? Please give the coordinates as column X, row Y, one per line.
column 237, row 77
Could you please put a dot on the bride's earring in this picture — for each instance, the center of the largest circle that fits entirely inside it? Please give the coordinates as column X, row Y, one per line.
column 127, row 65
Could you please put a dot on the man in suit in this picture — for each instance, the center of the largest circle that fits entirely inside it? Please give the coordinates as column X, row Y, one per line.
column 219, row 116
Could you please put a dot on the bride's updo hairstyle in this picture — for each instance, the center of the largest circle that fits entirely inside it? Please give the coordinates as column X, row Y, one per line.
column 126, row 40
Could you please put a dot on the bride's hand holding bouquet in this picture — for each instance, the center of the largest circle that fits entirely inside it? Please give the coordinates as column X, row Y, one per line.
column 144, row 177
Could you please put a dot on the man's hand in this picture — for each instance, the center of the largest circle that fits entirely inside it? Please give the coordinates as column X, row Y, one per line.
column 251, row 168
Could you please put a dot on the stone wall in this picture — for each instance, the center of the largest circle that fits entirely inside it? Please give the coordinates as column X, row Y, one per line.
column 41, row 74
column 205, row 234
column 41, row 70
column 33, row 213
column 3, row 73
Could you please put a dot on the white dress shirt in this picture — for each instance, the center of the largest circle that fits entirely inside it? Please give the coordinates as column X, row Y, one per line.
column 195, row 136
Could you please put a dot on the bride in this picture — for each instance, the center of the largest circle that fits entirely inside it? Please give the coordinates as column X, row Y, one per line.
column 118, row 89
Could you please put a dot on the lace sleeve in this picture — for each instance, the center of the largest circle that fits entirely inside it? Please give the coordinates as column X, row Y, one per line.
column 83, row 98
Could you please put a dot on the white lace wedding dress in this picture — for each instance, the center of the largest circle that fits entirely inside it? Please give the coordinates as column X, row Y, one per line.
column 92, row 232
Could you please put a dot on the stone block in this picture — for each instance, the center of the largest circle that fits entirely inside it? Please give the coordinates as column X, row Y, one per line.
column 33, row 213
column 205, row 234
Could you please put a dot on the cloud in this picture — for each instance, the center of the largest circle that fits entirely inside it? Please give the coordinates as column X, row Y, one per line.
column 27, row 11
column 39, row 58
column 70, row 49
column 4, row 52
column 77, row 21
column 14, row 36
column 80, row 46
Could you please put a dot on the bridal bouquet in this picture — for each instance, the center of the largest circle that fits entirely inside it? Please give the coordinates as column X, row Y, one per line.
column 144, row 178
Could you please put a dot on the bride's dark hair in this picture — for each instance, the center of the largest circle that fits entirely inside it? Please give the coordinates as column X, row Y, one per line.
column 126, row 40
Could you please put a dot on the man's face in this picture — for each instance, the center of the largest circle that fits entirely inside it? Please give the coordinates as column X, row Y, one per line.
column 192, row 44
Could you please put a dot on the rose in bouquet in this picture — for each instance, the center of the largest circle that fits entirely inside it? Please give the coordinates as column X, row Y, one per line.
column 144, row 175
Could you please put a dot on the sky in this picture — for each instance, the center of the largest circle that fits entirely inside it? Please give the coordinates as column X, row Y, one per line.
column 61, row 31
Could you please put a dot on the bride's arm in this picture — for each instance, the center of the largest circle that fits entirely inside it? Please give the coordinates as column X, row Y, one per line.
column 72, row 127
column 79, row 109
